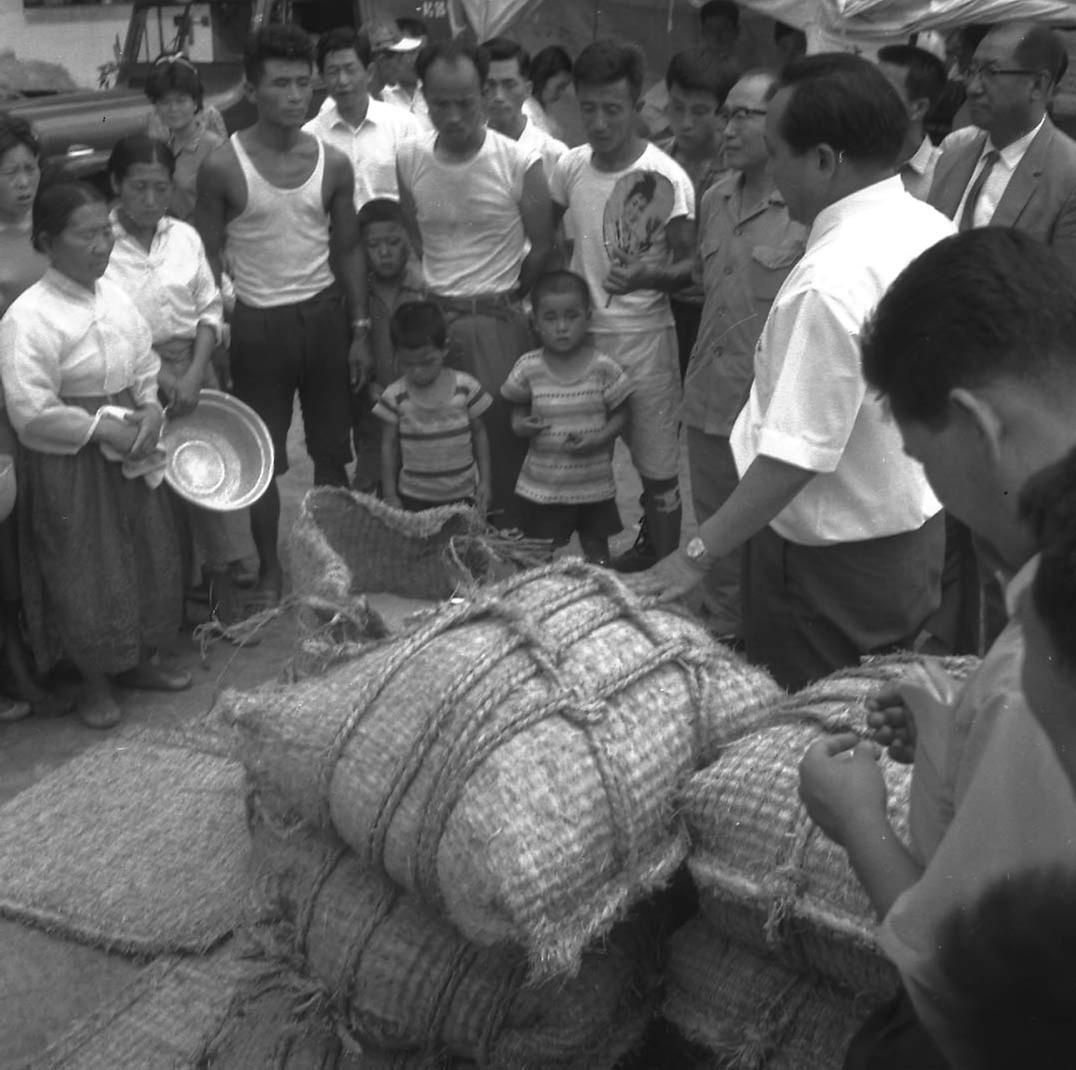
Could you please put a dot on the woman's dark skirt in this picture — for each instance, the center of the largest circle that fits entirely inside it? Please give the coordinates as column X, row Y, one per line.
column 99, row 560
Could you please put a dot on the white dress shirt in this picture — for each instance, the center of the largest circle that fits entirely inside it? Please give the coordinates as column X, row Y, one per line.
column 809, row 404
column 997, row 181
column 413, row 103
column 535, row 140
column 59, row 340
column 371, row 146
column 171, row 284
column 917, row 172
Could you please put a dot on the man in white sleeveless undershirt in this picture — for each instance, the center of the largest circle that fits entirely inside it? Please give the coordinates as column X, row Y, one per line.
column 278, row 204
column 473, row 200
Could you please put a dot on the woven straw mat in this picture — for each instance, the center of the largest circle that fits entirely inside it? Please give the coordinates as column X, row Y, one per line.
column 514, row 760
column 751, row 1012
column 345, row 543
column 768, row 876
column 402, row 976
column 139, row 844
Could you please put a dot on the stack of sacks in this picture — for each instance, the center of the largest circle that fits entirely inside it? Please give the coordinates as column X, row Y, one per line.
column 509, row 770
column 771, row 883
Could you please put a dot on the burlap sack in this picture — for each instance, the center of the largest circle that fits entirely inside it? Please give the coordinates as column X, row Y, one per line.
column 515, row 760
column 403, row 977
column 767, row 875
column 751, row 1012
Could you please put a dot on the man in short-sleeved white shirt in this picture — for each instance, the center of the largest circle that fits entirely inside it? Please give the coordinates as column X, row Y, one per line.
column 630, row 209
column 365, row 130
column 845, row 535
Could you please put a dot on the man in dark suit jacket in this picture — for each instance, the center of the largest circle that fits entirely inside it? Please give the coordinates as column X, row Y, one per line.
column 1019, row 170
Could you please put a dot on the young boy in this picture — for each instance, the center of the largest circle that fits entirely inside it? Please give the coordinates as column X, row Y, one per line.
column 569, row 401
column 393, row 280
column 432, row 420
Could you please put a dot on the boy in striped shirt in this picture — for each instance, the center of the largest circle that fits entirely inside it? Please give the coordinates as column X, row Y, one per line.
column 434, row 447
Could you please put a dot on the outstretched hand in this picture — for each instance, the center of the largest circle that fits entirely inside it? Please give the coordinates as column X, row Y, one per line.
column 892, row 724
column 841, row 784
column 671, row 578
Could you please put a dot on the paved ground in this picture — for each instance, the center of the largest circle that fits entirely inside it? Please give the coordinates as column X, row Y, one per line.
column 46, row 983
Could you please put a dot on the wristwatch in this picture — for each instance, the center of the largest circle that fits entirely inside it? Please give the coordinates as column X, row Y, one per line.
column 697, row 554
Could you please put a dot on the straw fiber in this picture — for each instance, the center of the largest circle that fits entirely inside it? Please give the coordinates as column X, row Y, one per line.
column 515, row 758
column 138, row 844
column 751, row 1012
column 345, row 543
column 161, row 1020
column 405, row 978
column 767, row 875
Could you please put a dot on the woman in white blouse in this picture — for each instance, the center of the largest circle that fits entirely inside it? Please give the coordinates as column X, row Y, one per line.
column 160, row 263
column 100, row 559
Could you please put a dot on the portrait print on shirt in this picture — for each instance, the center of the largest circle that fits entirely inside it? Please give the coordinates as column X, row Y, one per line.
column 637, row 209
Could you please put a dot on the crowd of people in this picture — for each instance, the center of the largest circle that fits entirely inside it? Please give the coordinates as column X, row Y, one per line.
column 866, row 342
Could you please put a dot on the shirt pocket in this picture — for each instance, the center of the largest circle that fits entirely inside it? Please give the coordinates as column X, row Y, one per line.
column 769, row 267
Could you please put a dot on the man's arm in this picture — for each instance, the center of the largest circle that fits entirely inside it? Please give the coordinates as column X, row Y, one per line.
column 536, row 211
column 211, row 207
column 347, row 256
column 410, row 215
column 1063, row 239
column 675, row 274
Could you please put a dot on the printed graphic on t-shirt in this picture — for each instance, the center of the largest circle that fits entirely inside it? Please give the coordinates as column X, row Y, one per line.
column 637, row 209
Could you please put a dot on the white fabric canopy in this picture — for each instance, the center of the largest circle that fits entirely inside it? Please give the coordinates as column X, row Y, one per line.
column 489, row 18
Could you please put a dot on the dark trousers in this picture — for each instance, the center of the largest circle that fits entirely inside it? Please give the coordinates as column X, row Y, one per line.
column 810, row 610
column 686, row 317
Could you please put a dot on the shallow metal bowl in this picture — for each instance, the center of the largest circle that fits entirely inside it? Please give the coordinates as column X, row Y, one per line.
column 220, row 456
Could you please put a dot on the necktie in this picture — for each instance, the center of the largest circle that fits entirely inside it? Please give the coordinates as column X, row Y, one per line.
column 967, row 217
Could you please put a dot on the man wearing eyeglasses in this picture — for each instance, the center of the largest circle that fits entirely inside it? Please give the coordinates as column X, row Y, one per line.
column 1020, row 171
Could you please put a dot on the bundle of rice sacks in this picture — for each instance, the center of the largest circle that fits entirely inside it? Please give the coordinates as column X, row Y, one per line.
column 766, row 874
column 404, row 978
column 514, row 760
column 751, row 1012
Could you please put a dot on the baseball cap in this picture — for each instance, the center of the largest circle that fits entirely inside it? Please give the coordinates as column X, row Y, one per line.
column 386, row 37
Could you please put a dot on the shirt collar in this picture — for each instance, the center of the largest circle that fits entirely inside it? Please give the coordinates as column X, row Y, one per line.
column 163, row 224
column 68, row 287
column 334, row 118
column 877, row 193
column 919, row 161
column 1014, row 153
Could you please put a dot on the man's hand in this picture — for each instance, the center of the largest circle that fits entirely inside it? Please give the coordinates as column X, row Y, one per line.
column 671, row 578
column 147, row 420
column 577, row 442
column 184, row 395
column 892, row 724
column 841, row 785
column 360, row 362
column 482, row 498
column 626, row 276
column 529, row 426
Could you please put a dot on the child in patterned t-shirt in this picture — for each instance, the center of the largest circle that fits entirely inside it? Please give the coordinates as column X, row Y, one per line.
column 569, row 400
column 434, row 448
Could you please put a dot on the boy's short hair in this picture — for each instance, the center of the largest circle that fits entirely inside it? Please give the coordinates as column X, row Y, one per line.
column 720, row 9
column 698, row 70
column 418, row 323
column 924, row 73
column 987, row 305
column 560, row 282
column 606, row 62
column 499, row 49
column 173, row 73
column 276, row 41
column 343, row 39
column 380, row 210
column 1048, row 506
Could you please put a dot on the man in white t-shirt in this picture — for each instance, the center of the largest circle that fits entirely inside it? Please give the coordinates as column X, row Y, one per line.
column 477, row 207
column 507, row 90
column 365, row 130
column 846, row 538
column 631, row 211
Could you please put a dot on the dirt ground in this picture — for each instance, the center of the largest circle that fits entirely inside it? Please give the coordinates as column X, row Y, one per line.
column 46, row 983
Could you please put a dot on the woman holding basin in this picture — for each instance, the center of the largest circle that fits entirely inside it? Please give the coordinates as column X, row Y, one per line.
column 160, row 263
column 99, row 554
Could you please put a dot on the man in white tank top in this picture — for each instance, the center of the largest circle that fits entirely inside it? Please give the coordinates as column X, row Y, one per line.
column 472, row 200
column 279, row 203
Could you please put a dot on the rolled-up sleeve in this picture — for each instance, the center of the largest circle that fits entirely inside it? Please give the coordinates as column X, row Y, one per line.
column 30, row 368
column 819, row 390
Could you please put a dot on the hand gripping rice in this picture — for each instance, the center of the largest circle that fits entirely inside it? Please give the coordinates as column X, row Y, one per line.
column 767, row 875
column 516, row 758
column 749, row 1011
column 402, row 978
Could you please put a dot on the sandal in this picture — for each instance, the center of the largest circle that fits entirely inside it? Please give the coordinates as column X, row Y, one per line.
column 13, row 710
column 100, row 711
